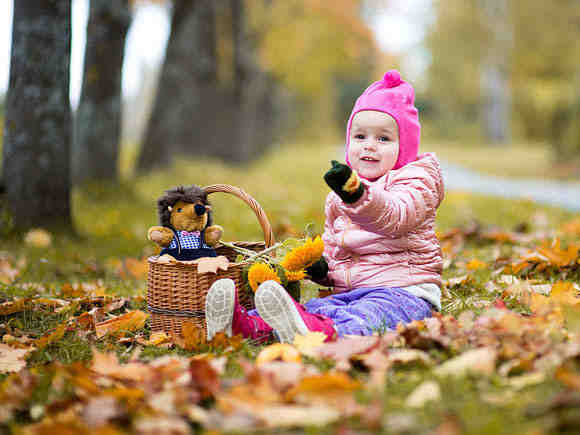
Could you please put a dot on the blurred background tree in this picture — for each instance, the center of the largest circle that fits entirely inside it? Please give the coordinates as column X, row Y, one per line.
column 37, row 130
column 239, row 77
column 97, row 136
column 521, row 56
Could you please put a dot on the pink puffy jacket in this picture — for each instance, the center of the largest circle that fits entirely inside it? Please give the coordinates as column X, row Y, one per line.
column 387, row 238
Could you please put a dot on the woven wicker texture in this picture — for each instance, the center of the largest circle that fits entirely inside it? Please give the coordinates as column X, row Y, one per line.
column 176, row 292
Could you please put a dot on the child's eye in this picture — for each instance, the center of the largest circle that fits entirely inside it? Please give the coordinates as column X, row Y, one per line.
column 359, row 136
column 179, row 210
column 384, row 139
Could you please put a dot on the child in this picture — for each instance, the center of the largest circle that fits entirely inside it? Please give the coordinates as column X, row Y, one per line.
column 381, row 255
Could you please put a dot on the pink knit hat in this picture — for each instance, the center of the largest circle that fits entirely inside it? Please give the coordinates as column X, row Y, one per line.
column 395, row 97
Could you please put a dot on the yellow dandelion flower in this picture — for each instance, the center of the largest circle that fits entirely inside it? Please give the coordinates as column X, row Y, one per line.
column 259, row 273
column 303, row 256
column 295, row 275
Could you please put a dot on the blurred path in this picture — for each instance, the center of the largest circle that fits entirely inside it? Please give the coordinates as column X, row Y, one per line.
column 555, row 193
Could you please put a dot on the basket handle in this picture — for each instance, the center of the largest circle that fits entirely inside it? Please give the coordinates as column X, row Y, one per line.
column 260, row 214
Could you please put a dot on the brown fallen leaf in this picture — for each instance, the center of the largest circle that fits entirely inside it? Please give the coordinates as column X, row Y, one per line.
column 12, row 360
column 204, row 378
column 192, row 337
column 129, row 322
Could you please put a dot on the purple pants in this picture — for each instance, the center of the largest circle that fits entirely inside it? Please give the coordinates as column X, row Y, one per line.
column 366, row 310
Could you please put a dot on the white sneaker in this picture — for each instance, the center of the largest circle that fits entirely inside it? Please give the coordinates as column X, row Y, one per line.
column 219, row 307
column 277, row 308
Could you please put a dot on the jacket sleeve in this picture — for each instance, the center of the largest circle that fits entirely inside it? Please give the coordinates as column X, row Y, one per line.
column 402, row 205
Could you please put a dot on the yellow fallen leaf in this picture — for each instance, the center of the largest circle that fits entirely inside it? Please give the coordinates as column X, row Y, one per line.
column 278, row 351
column 323, row 385
column 38, row 238
column 565, row 293
column 307, row 343
column 156, row 338
column 476, row 264
column 131, row 321
column 12, row 360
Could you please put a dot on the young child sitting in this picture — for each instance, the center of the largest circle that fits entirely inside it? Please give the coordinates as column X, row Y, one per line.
column 381, row 255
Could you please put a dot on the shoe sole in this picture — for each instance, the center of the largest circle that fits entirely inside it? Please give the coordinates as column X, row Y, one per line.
column 277, row 309
column 219, row 307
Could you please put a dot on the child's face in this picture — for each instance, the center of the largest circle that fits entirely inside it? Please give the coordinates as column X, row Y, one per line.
column 374, row 144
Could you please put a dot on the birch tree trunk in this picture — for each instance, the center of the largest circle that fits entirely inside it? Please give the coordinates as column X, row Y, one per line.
column 98, row 118
column 37, row 131
column 495, row 88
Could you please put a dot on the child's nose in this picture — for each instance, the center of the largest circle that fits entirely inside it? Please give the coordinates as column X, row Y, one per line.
column 369, row 146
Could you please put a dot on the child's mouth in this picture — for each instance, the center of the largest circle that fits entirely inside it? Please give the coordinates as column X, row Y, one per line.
column 368, row 159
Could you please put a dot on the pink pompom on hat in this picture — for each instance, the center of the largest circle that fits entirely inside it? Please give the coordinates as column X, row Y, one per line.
column 395, row 97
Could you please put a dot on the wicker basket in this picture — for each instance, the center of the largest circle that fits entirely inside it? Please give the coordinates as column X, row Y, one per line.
column 176, row 292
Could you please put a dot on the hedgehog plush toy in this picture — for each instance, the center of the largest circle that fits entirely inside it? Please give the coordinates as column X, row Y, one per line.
column 186, row 232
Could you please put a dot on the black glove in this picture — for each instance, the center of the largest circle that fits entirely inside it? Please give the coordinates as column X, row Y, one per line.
column 345, row 182
column 318, row 270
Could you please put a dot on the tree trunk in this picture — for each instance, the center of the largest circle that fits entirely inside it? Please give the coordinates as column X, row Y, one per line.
column 183, row 115
column 37, row 131
column 98, row 118
column 495, row 86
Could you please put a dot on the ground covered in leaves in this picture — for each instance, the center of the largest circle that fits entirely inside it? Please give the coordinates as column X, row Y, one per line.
column 77, row 354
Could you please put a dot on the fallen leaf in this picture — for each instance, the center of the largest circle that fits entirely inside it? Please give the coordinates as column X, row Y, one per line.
column 406, row 356
column 568, row 377
column 11, row 359
column 522, row 381
column 307, row 343
column 285, row 416
column 204, row 378
column 108, row 364
column 14, row 306
column 161, row 425
column 100, row 410
column 476, row 361
column 135, row 268
column 278, row 351
column 212, row 264
column 129, row 322
column 426, row 392
column 8, row 273
column 156, row 338
column 38, row 238
column 343, row 349
column 476, row 264
column 322, row 386
column 192, row 336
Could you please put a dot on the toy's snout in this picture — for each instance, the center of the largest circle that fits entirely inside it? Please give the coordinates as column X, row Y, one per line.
column 200, row 209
